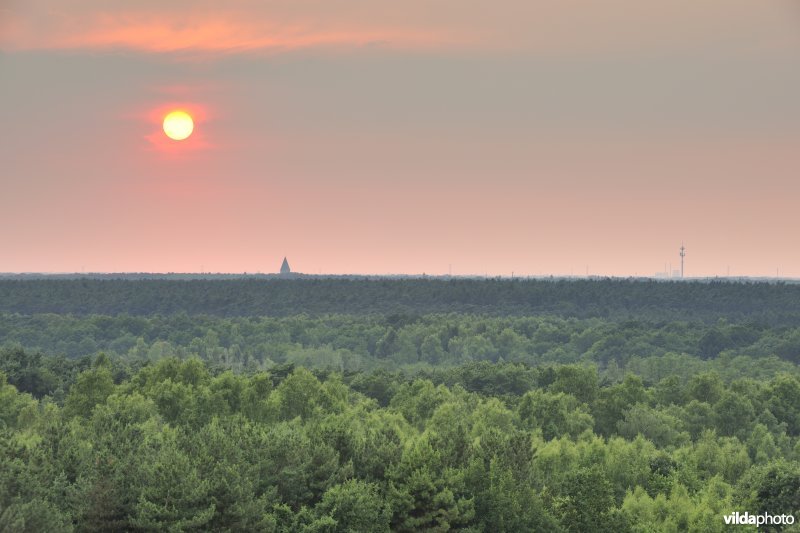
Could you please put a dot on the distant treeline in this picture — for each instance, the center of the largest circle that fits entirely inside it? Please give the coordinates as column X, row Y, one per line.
column 348, row 343
column 616, row 299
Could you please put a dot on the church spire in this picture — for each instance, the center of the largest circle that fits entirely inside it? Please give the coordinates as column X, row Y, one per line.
column 285, row 267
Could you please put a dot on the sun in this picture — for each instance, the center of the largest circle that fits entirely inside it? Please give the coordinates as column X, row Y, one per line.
column 178, row 125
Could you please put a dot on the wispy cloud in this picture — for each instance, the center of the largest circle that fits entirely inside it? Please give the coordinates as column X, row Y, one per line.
column 539, row 26
column 168, row 29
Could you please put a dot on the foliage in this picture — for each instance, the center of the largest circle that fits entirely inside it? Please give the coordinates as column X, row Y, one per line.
column 403, row 298
column 420, row 405
column 176, row 448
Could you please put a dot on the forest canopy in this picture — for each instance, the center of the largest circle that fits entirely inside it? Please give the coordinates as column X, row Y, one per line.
column 772, row 303
column 496, row 405
column 175, row 446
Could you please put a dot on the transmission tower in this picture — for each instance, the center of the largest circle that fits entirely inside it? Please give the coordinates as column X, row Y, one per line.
column 682, row 254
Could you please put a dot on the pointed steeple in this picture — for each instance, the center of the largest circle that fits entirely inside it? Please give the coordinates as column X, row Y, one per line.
column 285, row 267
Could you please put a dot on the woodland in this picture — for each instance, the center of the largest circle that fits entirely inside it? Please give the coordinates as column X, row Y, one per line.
column 349, row 405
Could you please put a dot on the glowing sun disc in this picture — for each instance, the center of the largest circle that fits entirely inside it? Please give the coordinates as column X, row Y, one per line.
column 178, row 125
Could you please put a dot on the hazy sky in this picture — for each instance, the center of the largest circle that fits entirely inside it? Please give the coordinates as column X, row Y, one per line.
column 359, row 136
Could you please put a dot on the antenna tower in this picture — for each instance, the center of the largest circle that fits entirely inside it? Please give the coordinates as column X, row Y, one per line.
column 682, row 254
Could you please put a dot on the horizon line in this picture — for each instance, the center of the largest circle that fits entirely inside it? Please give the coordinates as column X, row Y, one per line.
column 423, row 275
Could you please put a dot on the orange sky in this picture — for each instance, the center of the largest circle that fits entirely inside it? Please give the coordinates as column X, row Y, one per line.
column 533, row 137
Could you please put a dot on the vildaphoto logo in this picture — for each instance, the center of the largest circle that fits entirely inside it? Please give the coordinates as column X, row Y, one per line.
column 764, row 519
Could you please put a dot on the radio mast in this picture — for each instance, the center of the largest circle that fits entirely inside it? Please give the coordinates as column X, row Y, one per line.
column 682, row 254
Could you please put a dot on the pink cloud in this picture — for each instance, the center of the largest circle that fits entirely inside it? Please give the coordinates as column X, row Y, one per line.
column 164, row 32
column 544, row 27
